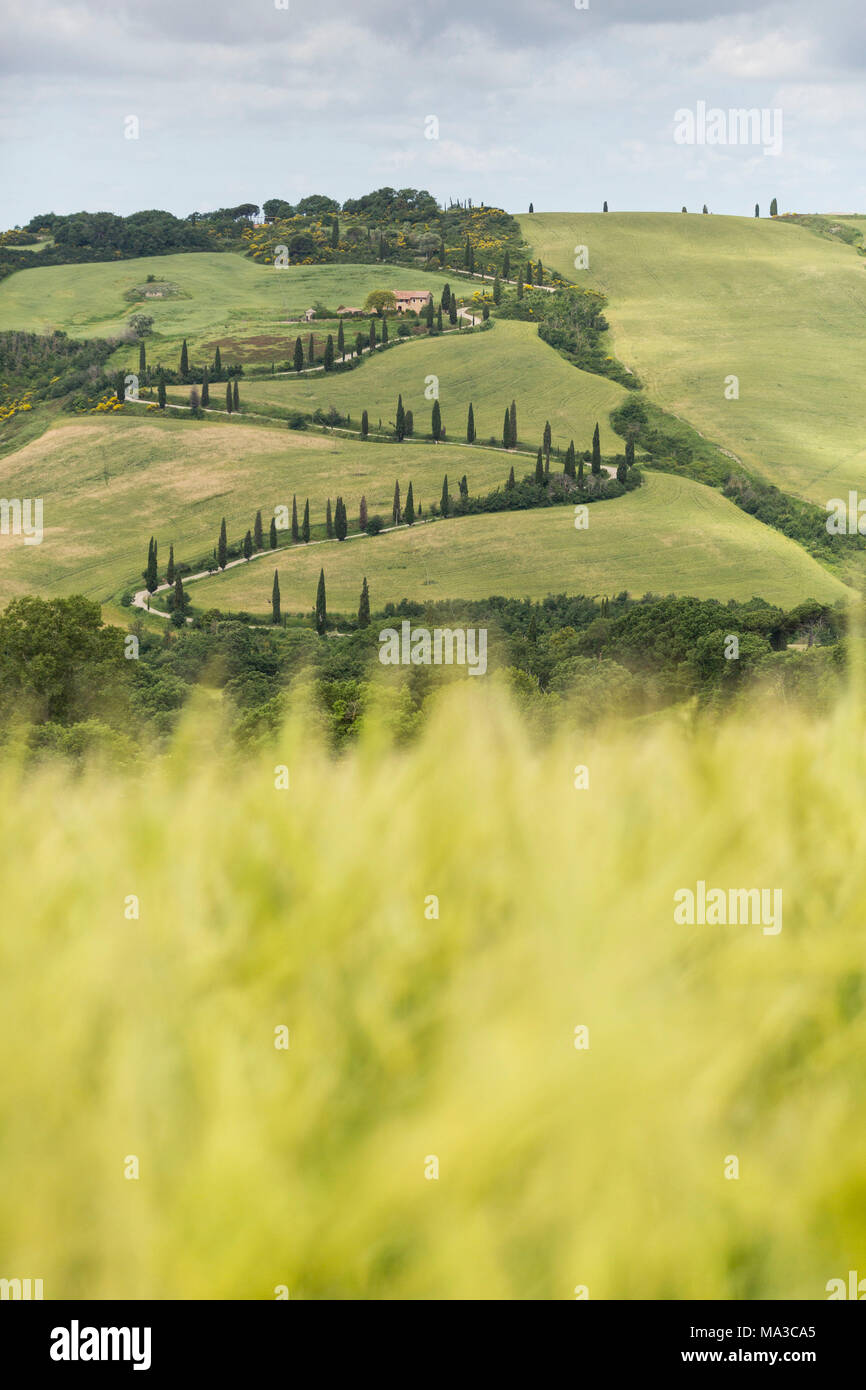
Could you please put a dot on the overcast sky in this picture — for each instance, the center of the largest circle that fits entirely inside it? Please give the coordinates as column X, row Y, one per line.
column 239, row 101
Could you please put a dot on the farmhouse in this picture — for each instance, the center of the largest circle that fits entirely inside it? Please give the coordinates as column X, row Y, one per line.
column 412, row 300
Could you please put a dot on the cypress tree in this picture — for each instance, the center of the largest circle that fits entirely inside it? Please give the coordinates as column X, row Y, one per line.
column 229, row 397
column 757, row 210
column 510, row 482
column 539, row 468
column 329, row 524
column 222, row 546
column 360, row 344
column 184, row 361
column 539, row 273
column 395, row 509
column 311, row 351
column 295, row 533
column 439, row 321
column 142, row 361
column 580, row 472
column 497, row 289
column 621, row 471
column 774, row 208
column 275, row 598
column 258, row 534
column 372, row 333
column 365, row 424
column 384, row 329
column 205, row 388
column 151, row 579
column 445, row 500
column 506, row 267
column 629, row 452
column 169, row 574
column 321, row 609
column 470, row 426
column 305, row 524
column 341, row 520
column 568, row 468
column 531, row 208
column 120, row 388
column 519, row 285
column 341, row 340
column 194, row 404
column 512, row 425
column 705, row 211
column 437, row 422
column 217, row 364
column 506, row 430
column 329, row 354
column 298, row 362
column 410, row 424
column 160, row 393
column 364, row 605
column 446, row 298
column 400, row 423
column 272, row 534
column 546, row 443
column 248, row 545
column 529, row 276
column 409, row 513
column 464, row 487
column 362, row 515
column 236, row 404
column 596, row 452
column 179, row 595
column 452, row 310
column 604, row 209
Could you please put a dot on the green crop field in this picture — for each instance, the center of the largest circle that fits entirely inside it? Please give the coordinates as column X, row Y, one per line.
column 223, row 296
column 509, row 362
column 671, row 536
column 107, row 484
column 694, row 299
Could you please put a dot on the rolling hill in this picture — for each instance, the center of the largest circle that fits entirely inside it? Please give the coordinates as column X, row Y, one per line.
column 489, row 369
column 671, row 536
column 694, row 300
column 109, row 483
column 221, row 295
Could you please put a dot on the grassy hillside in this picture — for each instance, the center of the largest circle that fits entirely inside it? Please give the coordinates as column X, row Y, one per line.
column 490, row 369
column 671, row 536
column 451, row 1038
column 695, row 299
column 222, row 296
column 108, row 484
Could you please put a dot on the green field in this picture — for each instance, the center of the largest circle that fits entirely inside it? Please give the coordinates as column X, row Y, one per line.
column 223, row 297
column 508, row 362
column 695, row 299
column 109, row 483
column 671, row 536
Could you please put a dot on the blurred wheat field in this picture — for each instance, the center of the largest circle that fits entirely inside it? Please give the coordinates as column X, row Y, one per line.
column 413, row 1037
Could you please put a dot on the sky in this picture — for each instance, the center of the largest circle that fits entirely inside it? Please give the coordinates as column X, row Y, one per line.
column 503, row 102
